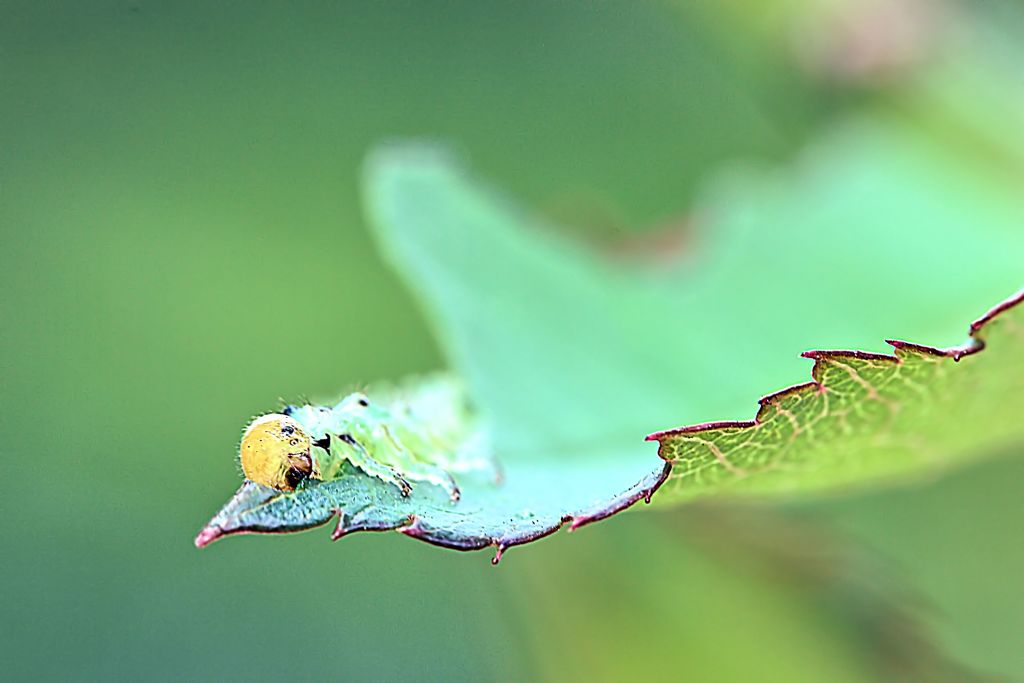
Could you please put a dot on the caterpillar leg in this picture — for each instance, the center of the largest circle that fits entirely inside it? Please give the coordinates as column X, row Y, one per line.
column 432, row 474
column 352, row 451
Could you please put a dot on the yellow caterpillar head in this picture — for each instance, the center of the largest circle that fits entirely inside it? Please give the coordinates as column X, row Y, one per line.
column 275, row 452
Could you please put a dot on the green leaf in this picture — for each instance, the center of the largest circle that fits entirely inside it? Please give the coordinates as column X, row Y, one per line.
column 561, row 343
column 864, row 418
column 578, row 345
column 573, row 354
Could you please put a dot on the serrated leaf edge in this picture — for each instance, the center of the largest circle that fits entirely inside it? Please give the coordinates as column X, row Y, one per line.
column 414, row 527
column 975, row 344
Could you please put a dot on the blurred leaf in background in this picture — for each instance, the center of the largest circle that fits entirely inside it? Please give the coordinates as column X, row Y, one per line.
column 166, row 171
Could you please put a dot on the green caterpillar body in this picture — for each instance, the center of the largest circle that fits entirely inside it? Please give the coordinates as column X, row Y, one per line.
column 403, row 437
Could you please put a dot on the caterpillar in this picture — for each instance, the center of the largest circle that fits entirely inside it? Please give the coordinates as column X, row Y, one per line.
column 425, row 434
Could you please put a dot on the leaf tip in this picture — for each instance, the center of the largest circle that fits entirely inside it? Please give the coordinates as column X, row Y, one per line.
column 209, row 534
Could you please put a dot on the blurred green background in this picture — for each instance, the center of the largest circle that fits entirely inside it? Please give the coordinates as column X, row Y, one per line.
column 177, row 179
